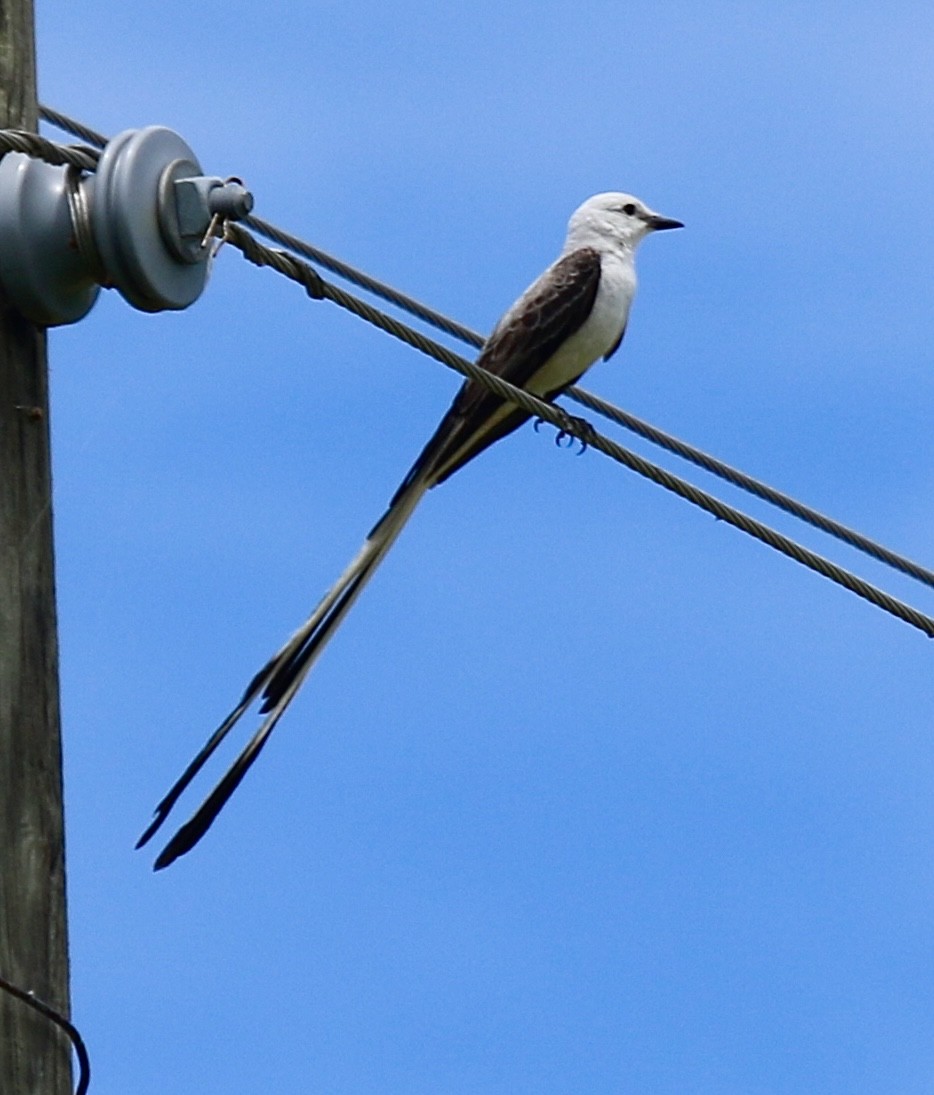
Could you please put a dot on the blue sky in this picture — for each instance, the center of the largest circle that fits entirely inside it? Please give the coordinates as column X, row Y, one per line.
column 591, row 793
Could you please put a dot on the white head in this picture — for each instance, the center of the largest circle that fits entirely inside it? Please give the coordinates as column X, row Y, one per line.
column 615, row 222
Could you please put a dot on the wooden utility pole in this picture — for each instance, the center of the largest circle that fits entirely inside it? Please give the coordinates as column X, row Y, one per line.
column 34, row 1054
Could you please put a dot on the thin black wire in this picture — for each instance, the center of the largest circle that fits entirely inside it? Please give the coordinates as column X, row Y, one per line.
column 587, row 399
column 46, row 1010
column 317, row 287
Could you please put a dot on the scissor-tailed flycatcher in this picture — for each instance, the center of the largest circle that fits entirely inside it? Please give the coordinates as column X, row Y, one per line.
column 575, row 313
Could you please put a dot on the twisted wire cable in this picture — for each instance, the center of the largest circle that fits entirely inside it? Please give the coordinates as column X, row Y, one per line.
column 753, row 486
column 291, row 267
column 40, row 148
column 610, row 411
column 364, row 281
column 69, row 125
column 587, row 399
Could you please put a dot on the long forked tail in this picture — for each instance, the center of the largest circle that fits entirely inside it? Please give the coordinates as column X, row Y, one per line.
column 280, row 678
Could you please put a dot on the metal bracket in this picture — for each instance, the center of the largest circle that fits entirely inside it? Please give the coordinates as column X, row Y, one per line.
column 138, row 224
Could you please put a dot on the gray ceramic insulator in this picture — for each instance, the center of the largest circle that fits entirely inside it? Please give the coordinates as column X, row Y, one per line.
column 41, row 270
column 137, row 224
column 125, row 219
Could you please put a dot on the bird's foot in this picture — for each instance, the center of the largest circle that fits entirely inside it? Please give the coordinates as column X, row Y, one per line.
column 581, row 424
column 585, row 429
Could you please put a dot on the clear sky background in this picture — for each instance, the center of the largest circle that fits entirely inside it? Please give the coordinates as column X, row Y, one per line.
column 591, row 793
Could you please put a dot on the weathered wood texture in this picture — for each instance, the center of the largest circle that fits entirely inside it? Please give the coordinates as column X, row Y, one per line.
column 34, row 1055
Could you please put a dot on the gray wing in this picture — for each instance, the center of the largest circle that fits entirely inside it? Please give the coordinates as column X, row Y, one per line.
column 523, row 341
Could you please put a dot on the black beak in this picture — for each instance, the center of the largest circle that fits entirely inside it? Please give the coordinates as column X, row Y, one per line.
column 659, row 224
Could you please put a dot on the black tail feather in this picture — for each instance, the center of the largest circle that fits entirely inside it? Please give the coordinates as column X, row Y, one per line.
column 194, row 829
column 178, row 788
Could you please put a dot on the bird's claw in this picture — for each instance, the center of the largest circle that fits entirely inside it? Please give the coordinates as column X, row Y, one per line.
column 586, row 430
column 589, row 435
column 581, row 425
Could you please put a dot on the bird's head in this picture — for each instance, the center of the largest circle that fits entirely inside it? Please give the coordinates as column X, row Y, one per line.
column 614, row 220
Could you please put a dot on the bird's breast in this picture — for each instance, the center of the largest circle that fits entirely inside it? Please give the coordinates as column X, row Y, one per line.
column 599, row 332
column 610, row 312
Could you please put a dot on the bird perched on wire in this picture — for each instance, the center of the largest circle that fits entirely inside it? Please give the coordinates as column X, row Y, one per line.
column 573, row 315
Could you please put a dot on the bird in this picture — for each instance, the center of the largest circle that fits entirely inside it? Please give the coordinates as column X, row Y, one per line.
column 573, row 315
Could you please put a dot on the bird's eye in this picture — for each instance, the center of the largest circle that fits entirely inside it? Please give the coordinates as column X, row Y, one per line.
column 629, row 209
